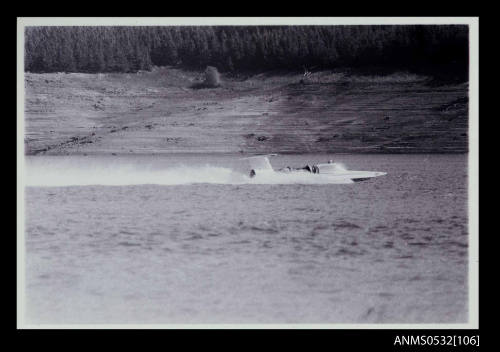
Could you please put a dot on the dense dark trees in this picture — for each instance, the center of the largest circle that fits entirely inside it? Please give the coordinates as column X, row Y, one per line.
column 128, row 49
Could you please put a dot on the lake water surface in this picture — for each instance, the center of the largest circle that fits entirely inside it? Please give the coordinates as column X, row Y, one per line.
column 190, row 239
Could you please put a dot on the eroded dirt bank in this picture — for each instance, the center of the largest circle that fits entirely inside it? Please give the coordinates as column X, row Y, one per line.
column 158, row 112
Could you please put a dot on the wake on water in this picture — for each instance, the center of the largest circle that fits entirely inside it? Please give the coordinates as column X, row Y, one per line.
column 71, row 174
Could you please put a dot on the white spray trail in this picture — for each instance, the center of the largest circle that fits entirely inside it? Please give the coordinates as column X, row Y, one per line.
column 71, row 174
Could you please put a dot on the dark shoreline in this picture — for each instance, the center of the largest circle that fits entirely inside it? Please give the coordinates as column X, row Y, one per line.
column 232, row 154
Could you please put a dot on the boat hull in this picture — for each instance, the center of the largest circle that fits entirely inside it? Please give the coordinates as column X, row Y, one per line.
column 302, row 176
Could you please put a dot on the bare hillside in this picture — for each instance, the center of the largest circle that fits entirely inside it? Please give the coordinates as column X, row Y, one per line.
column 159, row 112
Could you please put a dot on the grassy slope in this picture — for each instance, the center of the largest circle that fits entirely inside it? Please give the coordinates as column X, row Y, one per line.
column 155, row 112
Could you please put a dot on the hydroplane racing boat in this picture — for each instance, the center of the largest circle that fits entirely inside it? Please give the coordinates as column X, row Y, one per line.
column 328, row 171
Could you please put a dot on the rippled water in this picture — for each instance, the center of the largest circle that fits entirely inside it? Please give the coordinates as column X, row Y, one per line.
column 389, row 250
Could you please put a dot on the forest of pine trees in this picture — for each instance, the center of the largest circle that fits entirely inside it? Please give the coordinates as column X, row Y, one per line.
column 244, row 48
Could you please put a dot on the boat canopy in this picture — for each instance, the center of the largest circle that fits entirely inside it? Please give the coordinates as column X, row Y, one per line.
column 329, row 168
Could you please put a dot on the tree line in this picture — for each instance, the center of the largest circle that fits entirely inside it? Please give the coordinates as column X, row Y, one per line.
column 244, row 48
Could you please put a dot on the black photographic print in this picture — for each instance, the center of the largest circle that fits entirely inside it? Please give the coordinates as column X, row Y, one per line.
column 240, row 172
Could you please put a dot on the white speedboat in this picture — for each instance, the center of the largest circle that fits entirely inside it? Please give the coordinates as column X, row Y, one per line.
column 328, row 171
